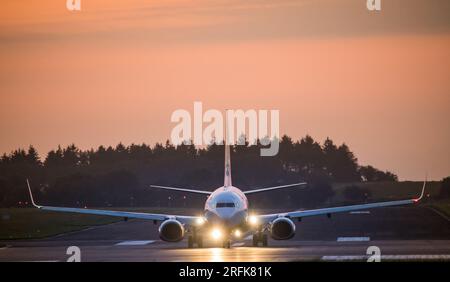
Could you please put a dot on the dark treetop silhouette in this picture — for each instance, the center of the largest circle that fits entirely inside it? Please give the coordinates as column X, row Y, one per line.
column 119, row 176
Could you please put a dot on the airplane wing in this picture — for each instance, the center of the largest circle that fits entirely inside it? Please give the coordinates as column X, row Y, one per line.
column 273, row 188
column 181, row 189
column 305, row 213
column 189, row 220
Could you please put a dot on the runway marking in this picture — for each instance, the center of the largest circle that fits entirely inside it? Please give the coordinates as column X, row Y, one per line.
column 240, row 244
column 440, row 213
column 41, row 261
column 353, row 239
column 360, row 212
column 135, row 243
column 387, row 257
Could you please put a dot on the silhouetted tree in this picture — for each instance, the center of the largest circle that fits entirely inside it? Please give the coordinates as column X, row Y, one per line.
column 54, row 158
column 369, row 173
column 319, row 190
column 32, row 157
column 445, row 188
column 71, row 156
column 356, row 194
column 346, row 167
column 309, row 155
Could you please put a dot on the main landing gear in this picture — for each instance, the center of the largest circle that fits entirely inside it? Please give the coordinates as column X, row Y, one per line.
column 226, row 244
column 259, row 237
column 195, row 240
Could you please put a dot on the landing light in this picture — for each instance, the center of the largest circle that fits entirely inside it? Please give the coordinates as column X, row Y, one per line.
column 253, row 220
column 200, row 221
column 216, row 234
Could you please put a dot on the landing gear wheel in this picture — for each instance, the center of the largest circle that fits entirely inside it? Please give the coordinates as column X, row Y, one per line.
column 227, row 244
column 190, row 242
column 255, row 240
column 199, row 241
column 259, row 237
column 194, row 240
column 264, row 240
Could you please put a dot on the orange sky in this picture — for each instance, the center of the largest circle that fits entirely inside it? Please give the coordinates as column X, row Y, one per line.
column 117, row 70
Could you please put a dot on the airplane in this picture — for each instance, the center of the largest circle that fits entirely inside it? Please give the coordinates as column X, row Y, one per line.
column 226, row 215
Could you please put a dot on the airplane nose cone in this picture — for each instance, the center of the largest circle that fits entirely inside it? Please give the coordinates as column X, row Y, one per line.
column 227, row 218
column 222, row 216
column 226, row 213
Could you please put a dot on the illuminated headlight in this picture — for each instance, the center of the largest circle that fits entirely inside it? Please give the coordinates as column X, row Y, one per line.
column 216, row 234
column 237, row 233
column 253, row 220
column 200, row 221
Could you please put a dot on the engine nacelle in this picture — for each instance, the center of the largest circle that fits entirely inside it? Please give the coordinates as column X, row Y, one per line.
column 282, row 228
column 171, row 230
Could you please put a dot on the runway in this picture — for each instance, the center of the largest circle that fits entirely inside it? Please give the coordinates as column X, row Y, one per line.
column 400, row 233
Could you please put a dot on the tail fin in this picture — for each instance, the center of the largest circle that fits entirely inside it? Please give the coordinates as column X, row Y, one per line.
column 227, row 176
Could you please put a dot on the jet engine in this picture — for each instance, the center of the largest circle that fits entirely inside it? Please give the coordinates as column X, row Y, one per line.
column 171, row 230
column 282, row 228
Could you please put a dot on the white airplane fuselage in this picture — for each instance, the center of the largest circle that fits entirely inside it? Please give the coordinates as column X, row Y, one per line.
column 226, row 207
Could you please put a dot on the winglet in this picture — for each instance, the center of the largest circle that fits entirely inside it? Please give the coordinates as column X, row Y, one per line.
column 422, row 193
column 31, row 196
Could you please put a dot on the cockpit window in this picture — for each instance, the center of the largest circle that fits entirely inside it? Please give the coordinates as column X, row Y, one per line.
column 225, row 205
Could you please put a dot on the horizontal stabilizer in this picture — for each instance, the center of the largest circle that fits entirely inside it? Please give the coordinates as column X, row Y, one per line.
column 181, row 189
column 274, row 188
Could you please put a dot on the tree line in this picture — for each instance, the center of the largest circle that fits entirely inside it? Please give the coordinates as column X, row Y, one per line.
column 121, row 175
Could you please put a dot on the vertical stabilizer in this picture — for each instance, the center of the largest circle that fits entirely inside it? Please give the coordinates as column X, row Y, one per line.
column 227, row 177
column 227, row 180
